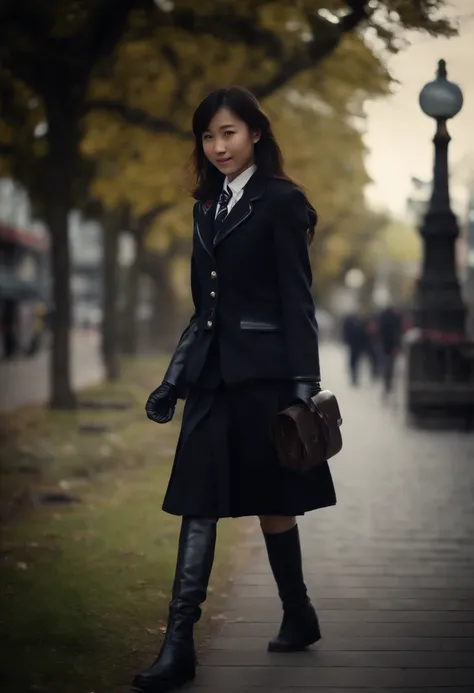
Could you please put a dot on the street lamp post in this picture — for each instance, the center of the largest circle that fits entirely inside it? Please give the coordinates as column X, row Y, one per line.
column 439, row 306
column 440, row 361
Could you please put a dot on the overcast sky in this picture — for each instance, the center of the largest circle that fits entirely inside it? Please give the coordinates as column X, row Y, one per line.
column 399, row 134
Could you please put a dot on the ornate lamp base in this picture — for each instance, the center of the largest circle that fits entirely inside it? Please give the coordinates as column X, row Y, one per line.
column 440, row 381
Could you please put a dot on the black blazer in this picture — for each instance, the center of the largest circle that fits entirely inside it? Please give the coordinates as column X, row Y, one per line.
column 251, row 287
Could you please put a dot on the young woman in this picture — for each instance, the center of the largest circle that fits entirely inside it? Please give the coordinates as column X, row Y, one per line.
column 249, row 351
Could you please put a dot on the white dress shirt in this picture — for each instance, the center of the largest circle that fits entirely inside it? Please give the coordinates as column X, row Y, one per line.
column 237, row 187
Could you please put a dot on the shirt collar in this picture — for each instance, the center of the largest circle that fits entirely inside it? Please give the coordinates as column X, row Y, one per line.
column 241, row 181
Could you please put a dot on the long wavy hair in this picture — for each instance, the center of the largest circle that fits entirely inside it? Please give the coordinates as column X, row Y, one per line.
column 267, row 153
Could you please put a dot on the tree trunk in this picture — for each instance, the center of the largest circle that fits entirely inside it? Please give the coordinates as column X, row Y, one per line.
column 60, row 166
column 61, row 393
column 130, row 317
column 167, row 318
column 110, row 336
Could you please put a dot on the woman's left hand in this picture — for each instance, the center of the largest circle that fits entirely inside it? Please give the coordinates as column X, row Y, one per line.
column 161, row 403
column 306, row 389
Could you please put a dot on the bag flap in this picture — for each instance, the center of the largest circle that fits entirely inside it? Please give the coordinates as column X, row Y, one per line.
column 326, row 403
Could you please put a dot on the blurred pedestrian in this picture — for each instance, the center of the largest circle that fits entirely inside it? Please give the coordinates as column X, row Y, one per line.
column 250, row 350
column 390, row 331
column 372, row 350
column 356, row 339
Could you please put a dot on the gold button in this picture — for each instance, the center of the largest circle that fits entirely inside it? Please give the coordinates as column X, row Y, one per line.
column 213, row 274
column 209, row 323
column 213, row 294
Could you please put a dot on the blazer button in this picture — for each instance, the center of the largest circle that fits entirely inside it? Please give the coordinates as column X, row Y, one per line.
column 213, row 274
column 213, row 294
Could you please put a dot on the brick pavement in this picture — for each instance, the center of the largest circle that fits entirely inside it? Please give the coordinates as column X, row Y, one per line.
column 390, row 568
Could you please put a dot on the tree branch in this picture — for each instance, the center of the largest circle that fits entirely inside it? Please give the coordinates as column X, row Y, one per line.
column 230, row 28
column 140, row 225
column 326, row 38
column 139, row 117
column 146, row 219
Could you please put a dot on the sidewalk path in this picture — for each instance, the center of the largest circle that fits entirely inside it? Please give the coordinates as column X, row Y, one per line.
column 25, row 380
column 390, row 568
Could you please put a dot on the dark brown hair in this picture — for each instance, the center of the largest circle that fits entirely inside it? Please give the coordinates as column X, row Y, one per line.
column 268, row 156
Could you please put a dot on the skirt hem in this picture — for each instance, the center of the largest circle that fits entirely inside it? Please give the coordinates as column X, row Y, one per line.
column 276, row 513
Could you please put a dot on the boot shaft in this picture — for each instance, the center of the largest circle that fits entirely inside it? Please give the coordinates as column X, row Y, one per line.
column 196, row 548
column 284, row 555
column 176, row 662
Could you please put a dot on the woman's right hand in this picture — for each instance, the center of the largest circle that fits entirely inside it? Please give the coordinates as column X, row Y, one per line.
column 305, row 390
column 161, row 403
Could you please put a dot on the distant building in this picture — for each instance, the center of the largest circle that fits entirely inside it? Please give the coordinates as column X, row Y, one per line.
column 86, row 258
column 84, row 236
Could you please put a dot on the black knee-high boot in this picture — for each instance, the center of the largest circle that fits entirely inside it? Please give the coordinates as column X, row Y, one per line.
column 176, row 663
column 300, row 626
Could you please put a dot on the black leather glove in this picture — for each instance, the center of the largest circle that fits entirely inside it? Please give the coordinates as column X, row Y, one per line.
column 305, row 389
column 161, row 404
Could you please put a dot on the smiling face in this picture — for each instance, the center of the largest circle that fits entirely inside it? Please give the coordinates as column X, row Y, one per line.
column 229, row 144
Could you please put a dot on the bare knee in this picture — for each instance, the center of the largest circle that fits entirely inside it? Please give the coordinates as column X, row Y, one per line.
column 275, row 524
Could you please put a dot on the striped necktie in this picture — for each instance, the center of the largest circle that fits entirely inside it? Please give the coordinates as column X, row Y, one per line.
column 224, row 199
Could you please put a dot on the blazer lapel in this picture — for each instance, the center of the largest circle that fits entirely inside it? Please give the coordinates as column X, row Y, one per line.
column 205, row 225
column 242, row 210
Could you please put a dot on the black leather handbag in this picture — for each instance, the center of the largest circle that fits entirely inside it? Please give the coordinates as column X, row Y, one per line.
column 305, row 436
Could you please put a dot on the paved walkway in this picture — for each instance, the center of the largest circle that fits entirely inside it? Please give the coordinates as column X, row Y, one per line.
column 25, row 380
column 390, row 568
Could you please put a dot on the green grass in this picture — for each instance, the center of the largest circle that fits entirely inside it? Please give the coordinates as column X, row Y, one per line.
column 85, row 586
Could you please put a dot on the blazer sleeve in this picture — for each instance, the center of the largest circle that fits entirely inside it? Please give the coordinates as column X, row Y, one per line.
column 176, row 370
column 195, row 288
column 295, row 280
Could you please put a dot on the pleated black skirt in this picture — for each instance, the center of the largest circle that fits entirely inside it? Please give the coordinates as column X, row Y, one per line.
column 226, row 464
